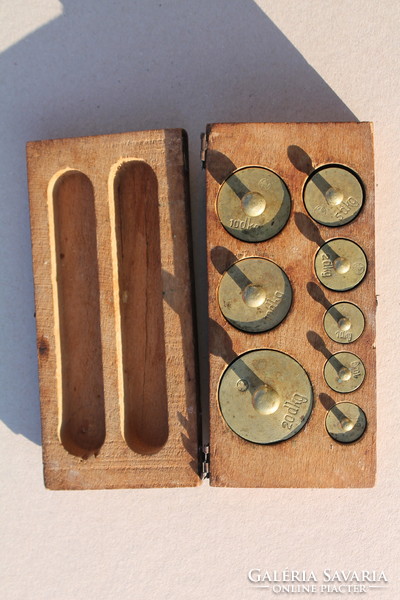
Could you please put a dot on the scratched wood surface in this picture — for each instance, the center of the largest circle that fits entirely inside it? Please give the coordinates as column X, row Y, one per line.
column 113, row 293
column 311, row 458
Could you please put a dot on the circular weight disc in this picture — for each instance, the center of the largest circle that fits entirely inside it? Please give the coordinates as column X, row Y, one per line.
column 346, row 422
column 253, row 204
column 265, row 396
column 344, row 372
column 254, row 295
column 333, row 196
column 344, row 322
column 340, row 264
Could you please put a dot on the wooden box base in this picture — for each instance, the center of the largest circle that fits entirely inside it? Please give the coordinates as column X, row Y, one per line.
column 311, row 458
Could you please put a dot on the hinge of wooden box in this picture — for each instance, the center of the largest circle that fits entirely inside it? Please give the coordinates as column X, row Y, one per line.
column 114, row 310
column 205, row 461
column 203, row 149
column 292, row 151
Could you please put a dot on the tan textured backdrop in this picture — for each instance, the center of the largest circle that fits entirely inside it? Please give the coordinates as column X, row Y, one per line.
column 76, row 68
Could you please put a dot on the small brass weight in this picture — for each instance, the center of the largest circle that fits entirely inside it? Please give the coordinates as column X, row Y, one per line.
column 345, row 422
column 344, row 322
column 333, row 196
column 344, row 372
column 340, row 264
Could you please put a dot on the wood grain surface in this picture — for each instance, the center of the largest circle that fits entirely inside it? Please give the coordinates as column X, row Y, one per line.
column 293, row 150
column 113, row 291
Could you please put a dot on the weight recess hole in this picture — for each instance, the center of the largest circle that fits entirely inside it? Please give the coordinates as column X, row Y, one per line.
column 82, row 426
column 137, row 230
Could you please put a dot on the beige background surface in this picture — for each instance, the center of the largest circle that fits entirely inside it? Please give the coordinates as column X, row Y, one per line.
column 81, row 68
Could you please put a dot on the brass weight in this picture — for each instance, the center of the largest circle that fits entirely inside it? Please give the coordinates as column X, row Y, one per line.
column 345, row 422
column 333, row 196
column 344, row 322
column 254, row 295
column 340, row 264
column 344, row 372
column 253, row 204
column 265, row 396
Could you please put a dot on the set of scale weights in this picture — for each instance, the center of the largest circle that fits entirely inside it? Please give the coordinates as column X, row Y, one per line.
column 290, row 238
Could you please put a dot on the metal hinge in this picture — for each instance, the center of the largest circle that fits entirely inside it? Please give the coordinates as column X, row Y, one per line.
column 203, row 150
column 205, row 462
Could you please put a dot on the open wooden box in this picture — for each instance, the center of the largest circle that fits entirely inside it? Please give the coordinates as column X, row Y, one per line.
column 113, row 289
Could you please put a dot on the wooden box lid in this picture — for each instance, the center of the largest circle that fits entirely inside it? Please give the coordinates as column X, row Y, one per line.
column 113, row 290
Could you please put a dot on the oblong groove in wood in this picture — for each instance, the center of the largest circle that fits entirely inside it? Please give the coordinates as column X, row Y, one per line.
column 82, row 427
column 137, row 229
